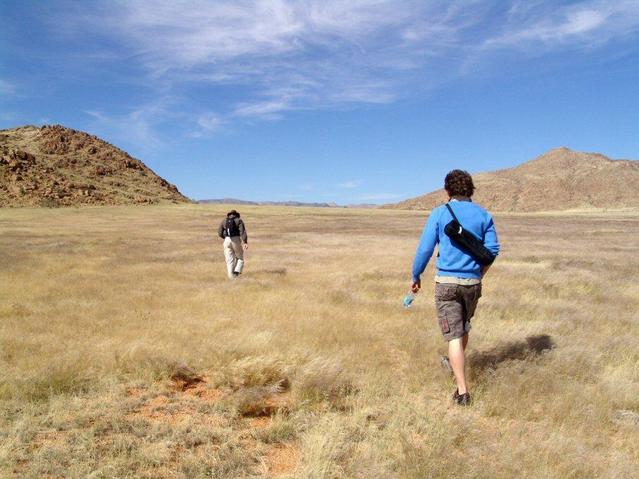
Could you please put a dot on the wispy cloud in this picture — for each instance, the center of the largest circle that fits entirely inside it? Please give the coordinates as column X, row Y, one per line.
column 287, row 55
column 266, row 110
column 207, row 124
column 350, row 184
column 137, row 127
column 7, row 88
column 587, row 23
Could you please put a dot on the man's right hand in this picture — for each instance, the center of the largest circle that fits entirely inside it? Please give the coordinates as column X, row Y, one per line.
column 416, row 286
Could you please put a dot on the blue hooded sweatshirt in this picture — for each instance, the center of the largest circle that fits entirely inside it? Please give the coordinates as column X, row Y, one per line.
column 451, row 261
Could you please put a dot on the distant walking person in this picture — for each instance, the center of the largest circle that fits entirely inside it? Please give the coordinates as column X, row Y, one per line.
column 233, row 232
column 459, row 267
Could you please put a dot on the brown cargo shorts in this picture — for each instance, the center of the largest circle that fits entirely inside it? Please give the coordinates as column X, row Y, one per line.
column 456, row 304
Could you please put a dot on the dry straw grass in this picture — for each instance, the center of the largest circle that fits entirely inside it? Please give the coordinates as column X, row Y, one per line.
column 308, row 366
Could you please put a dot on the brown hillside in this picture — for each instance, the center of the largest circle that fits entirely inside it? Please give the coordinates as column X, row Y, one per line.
column 58, row 166
column 561, row 179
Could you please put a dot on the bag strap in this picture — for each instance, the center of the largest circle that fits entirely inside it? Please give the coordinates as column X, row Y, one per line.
column 452, row 213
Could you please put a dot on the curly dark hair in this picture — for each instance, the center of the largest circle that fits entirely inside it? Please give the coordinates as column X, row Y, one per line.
column 459, row 183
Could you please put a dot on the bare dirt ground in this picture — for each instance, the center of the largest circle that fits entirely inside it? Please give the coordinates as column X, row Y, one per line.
column 125, row 351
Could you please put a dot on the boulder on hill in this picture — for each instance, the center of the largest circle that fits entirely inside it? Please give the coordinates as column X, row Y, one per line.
column 59, row 166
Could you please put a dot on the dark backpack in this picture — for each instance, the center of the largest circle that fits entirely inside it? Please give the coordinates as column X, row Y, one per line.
column 468, row 242
column 231, row 228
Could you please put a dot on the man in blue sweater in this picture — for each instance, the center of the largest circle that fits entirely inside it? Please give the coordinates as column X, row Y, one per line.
column 458, row 279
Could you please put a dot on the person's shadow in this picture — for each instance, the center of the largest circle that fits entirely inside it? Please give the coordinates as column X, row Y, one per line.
column 485, row 362
column 269, row 272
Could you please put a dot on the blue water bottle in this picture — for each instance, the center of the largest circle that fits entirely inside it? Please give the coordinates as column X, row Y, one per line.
column 408, row 299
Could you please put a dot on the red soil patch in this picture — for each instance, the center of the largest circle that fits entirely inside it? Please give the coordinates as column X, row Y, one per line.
column 156, row 409
column 203, row 392
column 184, row 385
column 172, row 410
column 135, row 392
column 269, row 406
column 184, row 406
column 260, row 422
column 282, row 459
column 53, row 439
column 278, row 403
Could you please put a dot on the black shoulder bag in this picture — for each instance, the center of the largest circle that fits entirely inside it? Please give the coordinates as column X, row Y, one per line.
column 467, row 241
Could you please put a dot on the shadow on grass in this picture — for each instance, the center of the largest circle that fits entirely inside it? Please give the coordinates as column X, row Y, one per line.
column 482, row 362
column 270, row 272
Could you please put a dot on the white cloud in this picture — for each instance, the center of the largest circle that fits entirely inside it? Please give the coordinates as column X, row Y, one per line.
column 585, row 23
column 350, row 184
column 137, row 127
column 7, row 88
column 288, row 55
column 207, row 124
column 267, row 110
column 327, row 52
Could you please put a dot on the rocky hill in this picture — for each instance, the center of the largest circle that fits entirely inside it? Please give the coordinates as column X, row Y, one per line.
column 561, row 179
column 58, row 166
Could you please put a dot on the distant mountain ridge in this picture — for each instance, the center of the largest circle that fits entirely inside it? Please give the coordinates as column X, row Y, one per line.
column 560, row 179
column 59, row 166
column 235, row 201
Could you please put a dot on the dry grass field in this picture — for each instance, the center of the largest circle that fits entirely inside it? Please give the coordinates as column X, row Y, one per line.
column 126, row 352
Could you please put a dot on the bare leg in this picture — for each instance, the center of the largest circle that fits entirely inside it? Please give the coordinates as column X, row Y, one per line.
column 456, row 356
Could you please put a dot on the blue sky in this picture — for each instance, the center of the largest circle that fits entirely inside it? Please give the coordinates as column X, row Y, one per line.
column 323, row 100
